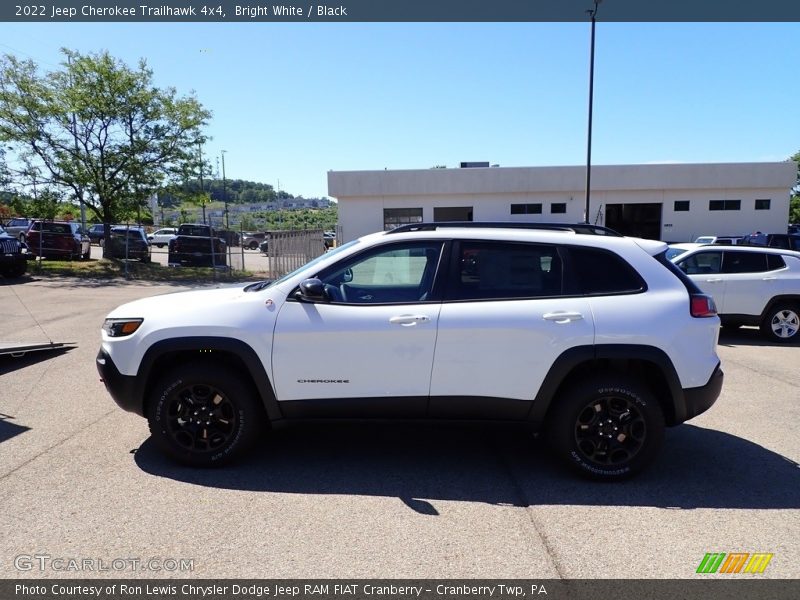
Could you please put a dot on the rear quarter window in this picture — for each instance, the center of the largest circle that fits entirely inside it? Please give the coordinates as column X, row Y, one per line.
column 600, row 272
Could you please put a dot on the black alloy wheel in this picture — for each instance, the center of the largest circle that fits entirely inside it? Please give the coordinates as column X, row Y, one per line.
column 204, row 415
column 201, row 418
column 610, row 430
column 609, row 427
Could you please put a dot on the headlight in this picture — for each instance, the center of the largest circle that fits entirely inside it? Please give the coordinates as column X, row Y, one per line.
column 121, row 327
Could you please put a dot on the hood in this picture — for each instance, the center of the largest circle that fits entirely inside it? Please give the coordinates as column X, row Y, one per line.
column 179, row 303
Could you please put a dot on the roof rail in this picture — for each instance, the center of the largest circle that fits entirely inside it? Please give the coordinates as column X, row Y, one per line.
column 581, row 228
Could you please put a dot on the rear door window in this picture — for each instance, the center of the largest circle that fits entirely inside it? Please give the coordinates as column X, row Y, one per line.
column 744, row 262
column 505, row 270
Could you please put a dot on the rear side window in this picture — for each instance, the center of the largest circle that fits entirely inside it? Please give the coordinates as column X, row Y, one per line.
column 505, row 270
column 775, row 262
column 602, row 272
column 744, row 262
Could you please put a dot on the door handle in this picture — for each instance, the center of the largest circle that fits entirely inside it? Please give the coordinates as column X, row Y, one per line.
column 768, row 278
column 714, row 280
column 409, row 320
column 562, row 316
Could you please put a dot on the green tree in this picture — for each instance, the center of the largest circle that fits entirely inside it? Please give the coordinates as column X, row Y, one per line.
column 98, row 129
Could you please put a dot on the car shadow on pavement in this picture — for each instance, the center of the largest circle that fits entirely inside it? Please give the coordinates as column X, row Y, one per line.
column 8, row 429
column 699, row 468
column 747, row 336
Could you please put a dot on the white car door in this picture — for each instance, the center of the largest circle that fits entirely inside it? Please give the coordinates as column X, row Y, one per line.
column 750, row 283
column 371, row 340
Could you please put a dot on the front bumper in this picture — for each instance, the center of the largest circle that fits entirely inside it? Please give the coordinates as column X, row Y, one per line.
column 123, row 388
column 698, row 400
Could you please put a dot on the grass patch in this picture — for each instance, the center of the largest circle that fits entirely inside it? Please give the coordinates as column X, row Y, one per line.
column 137, row 271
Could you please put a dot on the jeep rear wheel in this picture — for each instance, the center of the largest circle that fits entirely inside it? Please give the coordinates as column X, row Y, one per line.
column 608, row 428
column 203, row 415
column 781, row 323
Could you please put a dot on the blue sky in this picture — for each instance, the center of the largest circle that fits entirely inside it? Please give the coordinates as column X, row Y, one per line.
column 293, row 101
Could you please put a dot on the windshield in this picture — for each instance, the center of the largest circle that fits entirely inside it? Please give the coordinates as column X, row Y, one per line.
column 311, row 263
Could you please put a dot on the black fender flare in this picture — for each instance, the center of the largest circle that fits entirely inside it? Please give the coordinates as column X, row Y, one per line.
column 573, row 357
column 205, row 346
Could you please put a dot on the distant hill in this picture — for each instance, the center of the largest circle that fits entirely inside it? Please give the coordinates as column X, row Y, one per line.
column 238, row 191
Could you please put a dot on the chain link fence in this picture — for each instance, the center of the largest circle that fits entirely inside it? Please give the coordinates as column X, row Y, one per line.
column 227, row 255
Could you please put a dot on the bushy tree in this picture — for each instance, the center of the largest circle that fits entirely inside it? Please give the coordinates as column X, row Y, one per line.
column 98, row 129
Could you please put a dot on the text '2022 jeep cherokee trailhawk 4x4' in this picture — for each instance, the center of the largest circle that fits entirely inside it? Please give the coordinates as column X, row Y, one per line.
column 595, row 339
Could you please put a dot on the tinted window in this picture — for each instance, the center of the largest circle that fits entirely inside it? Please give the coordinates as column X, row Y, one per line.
column 558, row 208
column 724, row 205
column 774, row 262
column 494, row 270
column 602, row 272
column 762, row 204
column 744, row 262
column 702, row 263
column 526, row 209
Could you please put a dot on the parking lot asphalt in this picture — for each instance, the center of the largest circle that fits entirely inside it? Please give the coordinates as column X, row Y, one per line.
column 80, row 479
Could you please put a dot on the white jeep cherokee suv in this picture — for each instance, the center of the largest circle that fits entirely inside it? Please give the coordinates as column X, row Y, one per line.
column 596, row 340
column 750, row 286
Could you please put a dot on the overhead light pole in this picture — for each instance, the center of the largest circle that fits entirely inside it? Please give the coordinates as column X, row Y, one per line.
column 225, row 190
column 593, row 14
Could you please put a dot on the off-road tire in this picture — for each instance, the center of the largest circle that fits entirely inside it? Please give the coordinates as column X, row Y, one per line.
column 607, row 428
column 204, row 415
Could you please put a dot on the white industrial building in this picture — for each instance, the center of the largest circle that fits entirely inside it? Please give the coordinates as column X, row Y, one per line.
column 671, row 202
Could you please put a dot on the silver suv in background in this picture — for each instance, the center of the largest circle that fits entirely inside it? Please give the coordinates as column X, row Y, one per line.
column 18, row 228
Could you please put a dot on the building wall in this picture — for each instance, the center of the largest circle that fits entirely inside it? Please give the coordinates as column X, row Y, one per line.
column 363, row 195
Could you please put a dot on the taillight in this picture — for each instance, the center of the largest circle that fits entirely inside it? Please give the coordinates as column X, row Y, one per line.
column 703, row 306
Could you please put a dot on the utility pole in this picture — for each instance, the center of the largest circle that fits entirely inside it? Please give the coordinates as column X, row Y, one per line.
column 593, row 14
column 202, row 200
column 225, row 191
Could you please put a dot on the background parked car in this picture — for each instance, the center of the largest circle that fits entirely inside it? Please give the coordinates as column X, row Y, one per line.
column 197, row 245
column 252, row 239
column 13, row 255
column 96, row 233
column 18, row 228
column 773, row 240
column 128, row 242
column 161, row 237
column 58, row 239
column 750, row 286
column 230, row 237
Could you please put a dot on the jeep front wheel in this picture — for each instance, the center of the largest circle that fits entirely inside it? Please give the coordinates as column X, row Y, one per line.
column 608, row 428
column 203, row 415
column 781, row 323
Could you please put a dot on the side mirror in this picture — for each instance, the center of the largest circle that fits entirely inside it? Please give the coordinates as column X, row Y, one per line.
column 312, row 290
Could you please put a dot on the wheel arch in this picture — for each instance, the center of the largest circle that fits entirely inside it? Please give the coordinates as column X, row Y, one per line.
column 782, row 299
column 233, row 353
column 650, row 364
